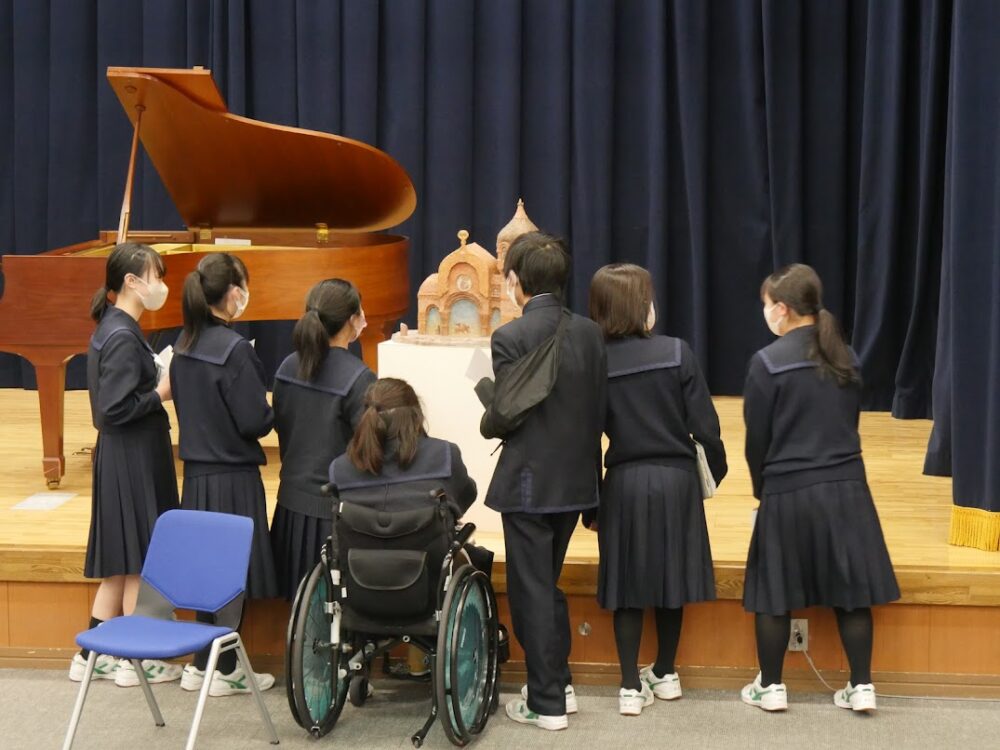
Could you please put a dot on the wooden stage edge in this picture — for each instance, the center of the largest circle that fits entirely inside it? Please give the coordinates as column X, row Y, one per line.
column 942, row 638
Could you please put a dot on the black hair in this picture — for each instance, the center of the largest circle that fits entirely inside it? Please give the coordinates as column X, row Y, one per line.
column 541, row 263
column 127, row 258
column 204, row 288
column 330, row 304
column 799, row 288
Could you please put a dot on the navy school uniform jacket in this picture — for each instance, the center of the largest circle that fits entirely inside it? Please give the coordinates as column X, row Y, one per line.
column 657, row 401
column 802, row 427
column 315, row 421
column 121, row 376
column 221, row 401
column 437, row 466
column 551, row 462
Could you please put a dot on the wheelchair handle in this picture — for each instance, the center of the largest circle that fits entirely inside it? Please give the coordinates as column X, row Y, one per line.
column 464, row 533
column 328, row 490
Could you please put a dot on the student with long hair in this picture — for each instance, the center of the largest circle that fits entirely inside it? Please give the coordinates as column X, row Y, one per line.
column 817, row 540
column 134, row 480
column 318, row 401
column 651, row 525
column 220, row 395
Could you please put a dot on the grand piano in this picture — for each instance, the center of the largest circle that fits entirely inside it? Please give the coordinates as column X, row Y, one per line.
column 297, row 206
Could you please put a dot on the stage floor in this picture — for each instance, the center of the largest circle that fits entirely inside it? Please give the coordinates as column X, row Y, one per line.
column 48, row 545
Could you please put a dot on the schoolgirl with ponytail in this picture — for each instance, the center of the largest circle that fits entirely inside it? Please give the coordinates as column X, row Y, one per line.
column 220, row 394
column 318, row 401
column 133, row 467
column 817, row 540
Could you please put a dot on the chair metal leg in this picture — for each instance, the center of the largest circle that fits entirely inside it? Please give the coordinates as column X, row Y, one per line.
column 213, row 659
column 80, row 699
column 147, row 691
column 241, row 654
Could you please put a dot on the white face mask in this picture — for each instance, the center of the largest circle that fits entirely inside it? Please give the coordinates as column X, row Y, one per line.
column 510, row 288
column 155, row 296
column 241, row 304
column 651, row 317
column 774, row 326
column 358, row 323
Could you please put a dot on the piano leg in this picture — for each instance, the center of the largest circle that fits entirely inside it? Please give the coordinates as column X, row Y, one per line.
column 51, row 391
column 377, row 331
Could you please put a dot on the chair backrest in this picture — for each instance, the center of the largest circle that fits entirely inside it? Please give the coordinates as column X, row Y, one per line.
column 198, row 559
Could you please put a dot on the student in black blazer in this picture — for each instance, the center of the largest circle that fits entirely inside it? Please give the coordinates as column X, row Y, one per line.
column 817, row 540
column 651, row 525
column 547, row 472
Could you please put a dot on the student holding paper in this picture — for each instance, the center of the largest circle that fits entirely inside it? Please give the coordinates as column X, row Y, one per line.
column 651, row 524
column 817, row 540
column 547, row 472
column 134, row 480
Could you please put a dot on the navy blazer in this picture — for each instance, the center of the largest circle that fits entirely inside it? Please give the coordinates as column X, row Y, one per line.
column 551, row 462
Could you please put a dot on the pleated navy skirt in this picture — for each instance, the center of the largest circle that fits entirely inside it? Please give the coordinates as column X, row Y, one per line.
column 134, row 482
column 240, row 493
column 653, row 539
column 297, row 540
column 820, row 545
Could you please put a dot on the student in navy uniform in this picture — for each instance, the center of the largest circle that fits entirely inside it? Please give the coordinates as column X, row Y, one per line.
column 318, row 401
column 817, row 540
column 134, row 480
column 547, row 472
column 222, row 411
column 651, row 523
column 392, row 463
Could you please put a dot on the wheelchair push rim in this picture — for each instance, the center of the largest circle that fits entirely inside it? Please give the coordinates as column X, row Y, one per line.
column 465, row 676
column 317, row 686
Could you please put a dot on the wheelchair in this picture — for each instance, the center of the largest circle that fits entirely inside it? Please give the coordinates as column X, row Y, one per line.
column 386, row 579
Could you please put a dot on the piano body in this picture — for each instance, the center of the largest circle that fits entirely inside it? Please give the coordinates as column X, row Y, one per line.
column 300, row 205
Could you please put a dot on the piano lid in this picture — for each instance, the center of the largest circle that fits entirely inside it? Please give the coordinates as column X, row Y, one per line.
column 223, row 170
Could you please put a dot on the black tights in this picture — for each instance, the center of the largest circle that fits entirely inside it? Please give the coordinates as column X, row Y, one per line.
column 628, row 634
column 227, row 660
column 855, row 628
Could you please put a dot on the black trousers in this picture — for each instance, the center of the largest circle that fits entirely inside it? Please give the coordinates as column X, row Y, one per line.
column 536, row 547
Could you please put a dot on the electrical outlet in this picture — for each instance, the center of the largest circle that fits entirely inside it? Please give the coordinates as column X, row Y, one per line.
column 799, row 639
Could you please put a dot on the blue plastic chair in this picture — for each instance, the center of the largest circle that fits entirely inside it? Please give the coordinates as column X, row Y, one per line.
column 196, row 560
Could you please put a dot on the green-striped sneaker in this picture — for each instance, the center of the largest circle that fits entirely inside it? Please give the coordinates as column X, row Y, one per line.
column 518, row 711
column 856, row 697
column 770, row 698
column 571, row 705
column 236, row 683
column 104, row 668
column 154, row 669
column 631, row 702
column 666, row 688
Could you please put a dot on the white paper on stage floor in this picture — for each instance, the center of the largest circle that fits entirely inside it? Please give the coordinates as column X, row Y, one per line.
column 480, row 366
column 44, row 501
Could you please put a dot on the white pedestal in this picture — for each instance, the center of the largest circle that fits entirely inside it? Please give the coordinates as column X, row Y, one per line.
column 437, row 374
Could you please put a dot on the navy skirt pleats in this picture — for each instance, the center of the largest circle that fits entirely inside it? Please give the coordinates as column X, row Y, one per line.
column 134, row 482
column 820, row 545
column 240, row 493
column 653, row 539
column 297, row 540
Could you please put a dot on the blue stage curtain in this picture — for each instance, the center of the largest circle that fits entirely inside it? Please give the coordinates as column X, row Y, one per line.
column 708, row 141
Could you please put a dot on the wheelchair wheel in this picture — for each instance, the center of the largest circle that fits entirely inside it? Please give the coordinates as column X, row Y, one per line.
column 289, row 640
column 316, row 677
column 358, row 692
column 465, row 667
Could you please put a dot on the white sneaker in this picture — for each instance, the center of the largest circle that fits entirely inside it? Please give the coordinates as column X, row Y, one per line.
column 104, row 668
column 770, row 698
column 667, row 688
column 236, row 683
column 571, row 706
column 517, row 710
column 154, row 669
column 631, row 702
column 856, row 697
column 192, row 678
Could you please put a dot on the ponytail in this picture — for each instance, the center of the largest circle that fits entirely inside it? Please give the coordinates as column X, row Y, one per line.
column 330, row 304
column 204, row 288
column 312, row 342
column 832, row 353
column 392, row 411
column 98, row 304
